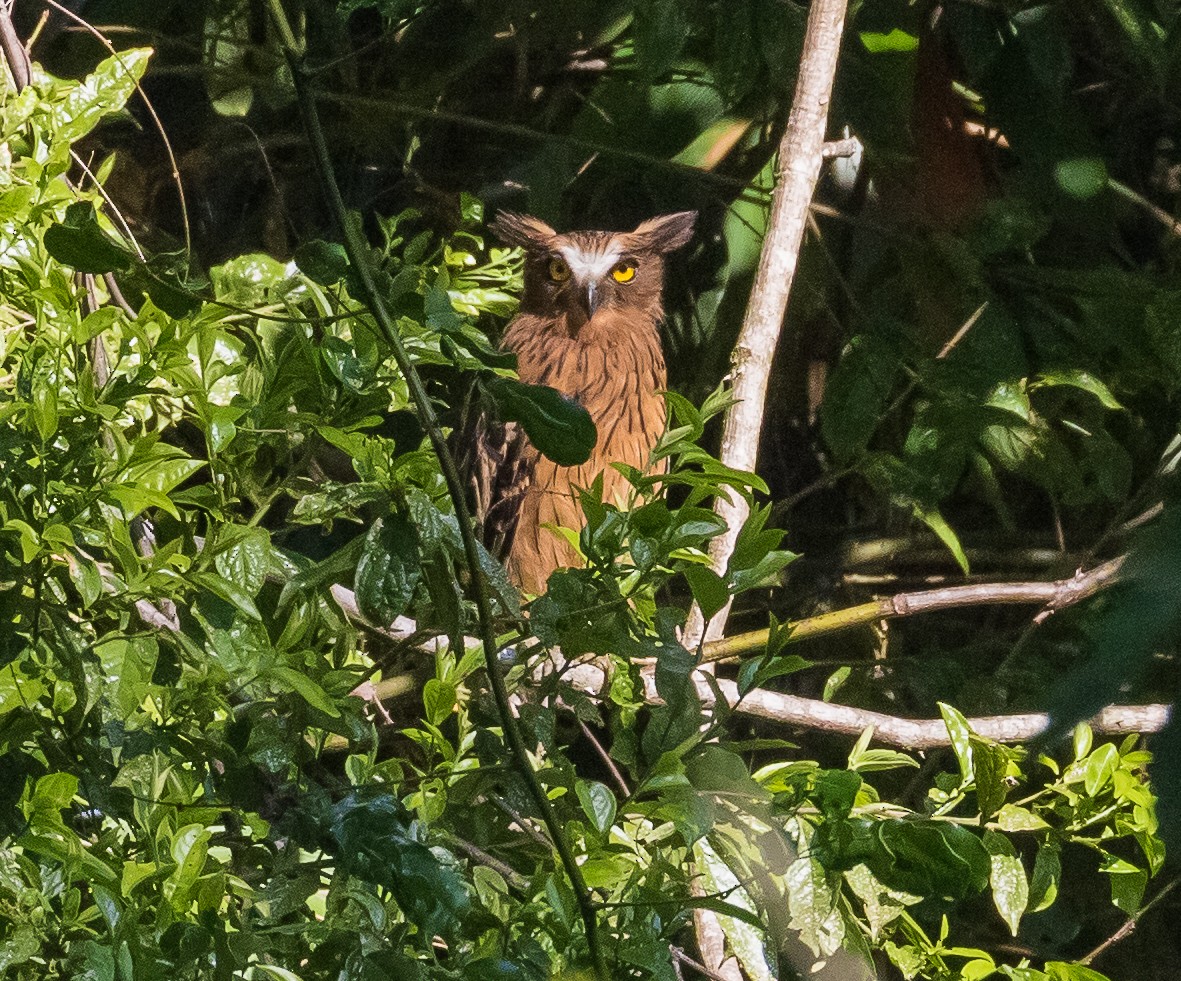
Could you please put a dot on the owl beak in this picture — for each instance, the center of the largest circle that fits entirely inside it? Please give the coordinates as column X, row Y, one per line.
column 592, row 300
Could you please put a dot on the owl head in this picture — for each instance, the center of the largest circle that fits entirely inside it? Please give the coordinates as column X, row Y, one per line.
column 581, row 274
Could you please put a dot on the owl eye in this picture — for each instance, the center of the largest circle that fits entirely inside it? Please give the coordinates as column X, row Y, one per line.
column 625, row 272
column 559, row 272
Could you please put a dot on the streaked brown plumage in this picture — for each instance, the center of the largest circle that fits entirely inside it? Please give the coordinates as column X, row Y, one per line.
column 589, row 326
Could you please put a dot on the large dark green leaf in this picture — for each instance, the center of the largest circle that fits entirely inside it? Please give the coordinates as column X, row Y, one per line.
column 923, row 857
column 81, row 244
column 322, row 262
column 559, row 427
column 389, row 570
column 373, row 834
column 856, row 394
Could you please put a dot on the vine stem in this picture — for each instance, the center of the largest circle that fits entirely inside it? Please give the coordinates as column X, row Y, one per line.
column 358, row 254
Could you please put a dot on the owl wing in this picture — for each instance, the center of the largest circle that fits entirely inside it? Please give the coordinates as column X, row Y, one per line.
column 501, row 472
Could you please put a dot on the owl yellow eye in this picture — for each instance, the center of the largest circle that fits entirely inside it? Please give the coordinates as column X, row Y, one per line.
column 625, row 272
column 559, row 272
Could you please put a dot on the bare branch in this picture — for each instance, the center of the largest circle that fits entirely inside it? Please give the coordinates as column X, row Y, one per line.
column 15, row 55
column 801, row 153
column 591, row 676
column 1052, row 596
column 811, row 713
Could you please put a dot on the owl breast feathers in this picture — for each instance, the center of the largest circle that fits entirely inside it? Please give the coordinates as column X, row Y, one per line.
column 589, row 326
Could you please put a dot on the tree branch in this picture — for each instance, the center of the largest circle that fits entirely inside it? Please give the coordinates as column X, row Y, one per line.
column 801, row 153
column 811, row 713
column 1052, row 596
column 15, row 55
column 592, row 676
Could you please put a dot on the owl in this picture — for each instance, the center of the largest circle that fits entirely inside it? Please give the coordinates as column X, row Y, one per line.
column 588, row 326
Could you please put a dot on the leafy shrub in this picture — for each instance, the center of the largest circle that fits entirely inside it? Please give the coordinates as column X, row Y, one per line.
column 194, row 786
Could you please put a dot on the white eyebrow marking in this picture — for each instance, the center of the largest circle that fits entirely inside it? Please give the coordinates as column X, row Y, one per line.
column 589, row 267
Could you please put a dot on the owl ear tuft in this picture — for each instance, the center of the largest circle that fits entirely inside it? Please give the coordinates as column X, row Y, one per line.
column 667, row 232
column 523, row 230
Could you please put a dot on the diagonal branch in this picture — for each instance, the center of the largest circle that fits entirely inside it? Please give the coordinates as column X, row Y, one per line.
column 801, row 153
column 1051, row 596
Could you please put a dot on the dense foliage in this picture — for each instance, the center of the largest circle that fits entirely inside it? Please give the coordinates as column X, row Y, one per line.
column 243, row 729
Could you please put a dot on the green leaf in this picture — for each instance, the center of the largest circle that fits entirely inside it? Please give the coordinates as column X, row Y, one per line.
column 1011, row 817
column 44, row 407
column 835, row 682
column 243, row 556
column 693, row 814
column 1047, row 873
column 709, row 589
column 190, row 847
column 1099, row 768
column 166, row 288
column 1128, row 883
column 961, row 740
column 990, row 766
column 894, row 42
column 1077, row 378
column 222, row 426
column 96, row 322
column 325, row 263
column 856, row 394
column 374, row 842
column 938, row 524
column 661, row 28
column 87, row 579
column 388, row 571
column 105, row 91
column 1061, row 971
column 1081, row 177
column 758, row 671
column 53, row 792
column 355, row 372
column 1010, row 888
column 228, row 591
column 438, row 700
column 917, row 856
column 301, row 684
column 80, row 243
column 559, row 427
column 814, row 910
column 744, row 938
column 598, row 803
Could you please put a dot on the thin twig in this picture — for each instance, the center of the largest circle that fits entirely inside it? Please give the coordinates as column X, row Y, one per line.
column 1171, row 224
column 118, row 297
column 391, row 105
column 1129, row 927
column 958, row 336
column 614, row 770
column 592, row 676
column 847, row 147
column 890, row 730
column 800, row 158
column 111, row 205
column 511, row 876
column 680, row 957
